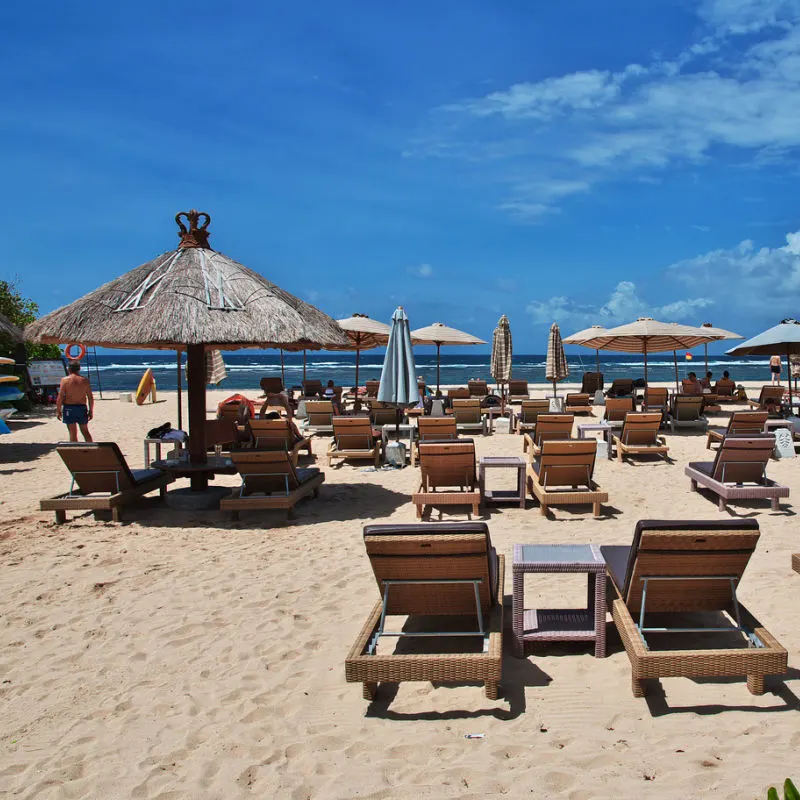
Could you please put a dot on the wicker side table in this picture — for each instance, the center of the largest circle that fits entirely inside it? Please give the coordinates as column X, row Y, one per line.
column 559, row 625
column 502, row 495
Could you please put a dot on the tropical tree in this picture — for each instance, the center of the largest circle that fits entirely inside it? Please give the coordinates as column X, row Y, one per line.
column 21, row 311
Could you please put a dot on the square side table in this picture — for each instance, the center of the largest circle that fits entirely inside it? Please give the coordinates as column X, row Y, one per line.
column 502, row 495
column 558, row 625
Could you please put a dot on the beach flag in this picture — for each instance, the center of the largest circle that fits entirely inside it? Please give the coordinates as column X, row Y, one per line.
column 688, row 356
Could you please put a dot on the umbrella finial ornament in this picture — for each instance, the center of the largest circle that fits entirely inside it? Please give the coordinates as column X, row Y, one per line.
column 195, row 235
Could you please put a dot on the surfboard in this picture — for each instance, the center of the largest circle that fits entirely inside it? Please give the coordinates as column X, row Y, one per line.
column 4, row 360
column 9, row 393
column 147, row 386
column 9, row 378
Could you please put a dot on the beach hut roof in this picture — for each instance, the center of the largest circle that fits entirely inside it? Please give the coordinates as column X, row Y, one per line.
column 441, row 334
column 8, row 330
column 192, row 295
column 362, row 333
column 781, row 339
column 655, row 336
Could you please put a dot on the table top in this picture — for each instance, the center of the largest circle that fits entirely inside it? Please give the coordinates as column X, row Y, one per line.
column 502, row 461
column 587, row 555
column 211, row 464
column 593, row 426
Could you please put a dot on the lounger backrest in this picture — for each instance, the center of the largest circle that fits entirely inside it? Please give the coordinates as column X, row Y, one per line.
column 353, row 433
column 617, row 408
column 743, row 459
column 477, row 388
column 229, row 411
column 265, row 472
column 372, row 388
column 433, row 551
column 691, row 388
column 311, row 388
column 567, row 463
column 621, row 387
column 655, row 396
column 640, row 428
column 518, row 388
column 319, row 412
column 770, row 394
column 553, row 426
column 682, row 549
column 467, row 410
column 436, row 428
column 447, row 464
column 687, row 408
column 220, row 431
column 576, row 399
column 272, row 434
column 530, row 410
column 271, row 385
column 458, row 392
column 381, row 414
column 97, row 467
column 724, row 388
column 747, row 422
column 591, row 382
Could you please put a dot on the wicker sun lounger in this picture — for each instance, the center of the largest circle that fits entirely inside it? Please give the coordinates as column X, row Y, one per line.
column 518, row 391
column 372, row 387
column 312, row 388
column 448, row 476
column 578, row 403
column 478, row 388
column 638, row 437
column 381, row 414
column 591, row 382
column 769, row 399
column 739, row 471
column 725, row 391
column 353, row 437
column 548, row 426
column 102, row 481
column 655, row 399
column 433, row 429
column 278, row 434
column 740, row 423
column 429, row 573
column 525, row 420
column 269, row 482
column 563, row 475
column 689, row 567
column 686, row 411
column 621, row 387
column 320, row 417
column 272, row 385
column 469, row 416
column 458, row 393
column 616, row 409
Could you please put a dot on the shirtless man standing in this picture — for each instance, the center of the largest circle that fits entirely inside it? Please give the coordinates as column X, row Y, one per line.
column 74, row 394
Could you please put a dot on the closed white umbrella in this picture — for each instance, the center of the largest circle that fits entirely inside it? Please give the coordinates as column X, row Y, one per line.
column 501, row 354
column 440, row 334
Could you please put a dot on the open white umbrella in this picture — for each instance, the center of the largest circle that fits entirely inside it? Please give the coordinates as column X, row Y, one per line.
column 364, row 334
column 586, row 338
column 720, row 333
column 440, row 334
column 556, row 364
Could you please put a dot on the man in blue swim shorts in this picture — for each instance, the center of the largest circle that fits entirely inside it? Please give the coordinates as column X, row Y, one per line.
column 75, row 402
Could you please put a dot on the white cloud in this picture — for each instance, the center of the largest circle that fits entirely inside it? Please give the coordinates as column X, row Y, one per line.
column 748, row 16
column 421, row 270
column 623, row 305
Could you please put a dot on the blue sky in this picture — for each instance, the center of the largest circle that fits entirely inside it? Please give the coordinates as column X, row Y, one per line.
column 578, row 162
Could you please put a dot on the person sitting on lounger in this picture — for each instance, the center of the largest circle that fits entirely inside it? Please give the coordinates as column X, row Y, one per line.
column 691, row 385
column 706, row 382
column 330, row 394
column 298, row 437
column 725, row 384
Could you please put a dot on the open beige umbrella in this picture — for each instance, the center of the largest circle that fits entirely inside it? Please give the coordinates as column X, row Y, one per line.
column 363, row 333
column 556, row 368
column 586, row 338
column 191, row 299
column 440, row 334
column 720, row 333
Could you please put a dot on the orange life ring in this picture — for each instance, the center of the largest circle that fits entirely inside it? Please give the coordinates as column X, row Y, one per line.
column 68, row 352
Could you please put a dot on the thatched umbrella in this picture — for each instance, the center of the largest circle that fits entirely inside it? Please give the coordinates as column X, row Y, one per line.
column 8, row 330
column 556, row 368
column 440, row 334
column 192, row 299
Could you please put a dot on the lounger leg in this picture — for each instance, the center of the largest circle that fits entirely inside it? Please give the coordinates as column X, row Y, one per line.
column 692, row 485
column 290, row 513
column 369, row 691
column 491, row 689
column 637, row 685
column 476, row 509
column 775, row 504
column 620, row 455
column 708, row 442
column 234, row 516
column 116, row 514
column 543, row 509
column 596, row 509
column 162, row 492
column 419, row 510
column 755, row 684
column 61, row 516
column 721, row 503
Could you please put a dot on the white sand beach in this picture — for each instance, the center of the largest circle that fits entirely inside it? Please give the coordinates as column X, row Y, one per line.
column 182, row 655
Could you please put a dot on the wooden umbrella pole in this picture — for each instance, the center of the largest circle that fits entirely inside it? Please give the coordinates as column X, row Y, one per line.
column 304, row 364
column 789, row 374
column 180, row 404
column 705, row 348
column 196, row 393
column 438, row 364
column 645, row 363
column 283, row 371
column 675, row 358
column 597, row 360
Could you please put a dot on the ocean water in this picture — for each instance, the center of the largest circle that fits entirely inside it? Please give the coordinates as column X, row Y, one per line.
column 122, row 372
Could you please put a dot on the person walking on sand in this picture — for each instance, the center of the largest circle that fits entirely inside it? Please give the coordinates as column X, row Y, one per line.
column 775, row 369
column 75, row 402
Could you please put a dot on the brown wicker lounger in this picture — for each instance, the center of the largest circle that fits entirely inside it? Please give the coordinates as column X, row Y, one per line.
column 739, row 471
column 269, row 482
column 435, row 429
column 724, row 390
column 447, row 464
column 477, row 388
column 578, row 403
column 548, row 426
column 353, row 438
column 686, row 411
column 432, row 570
column 278, row 434
column 320, row 417
column 102, row 480
column 529, row 411
column 769, row 398
column 621, row 387
column 655, row 399
column 639, row 436
column 690, row 567
column 566, row 464
column 469, row 416
column 616, row 409
column 591, row 382
column 741, row 422
column 518, row 391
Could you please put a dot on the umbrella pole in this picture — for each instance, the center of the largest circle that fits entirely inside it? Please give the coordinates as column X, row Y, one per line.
column 597, row 360
column 357, row 401
column 283, row 371
column 196, row 393
column 438, row 379
column 675, row 359
column 705, row 348
column 180, row 405
column 645, row 365
column 789, row 373
column 304, row 364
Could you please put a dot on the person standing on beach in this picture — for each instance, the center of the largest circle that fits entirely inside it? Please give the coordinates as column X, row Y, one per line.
column 75, row 402
column 775, row 369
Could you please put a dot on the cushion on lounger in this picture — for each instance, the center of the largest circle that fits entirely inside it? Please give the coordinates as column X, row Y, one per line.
column 306, row 474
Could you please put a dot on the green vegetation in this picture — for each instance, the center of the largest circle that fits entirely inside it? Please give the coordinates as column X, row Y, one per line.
column 21, row 311
column 789, row 792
